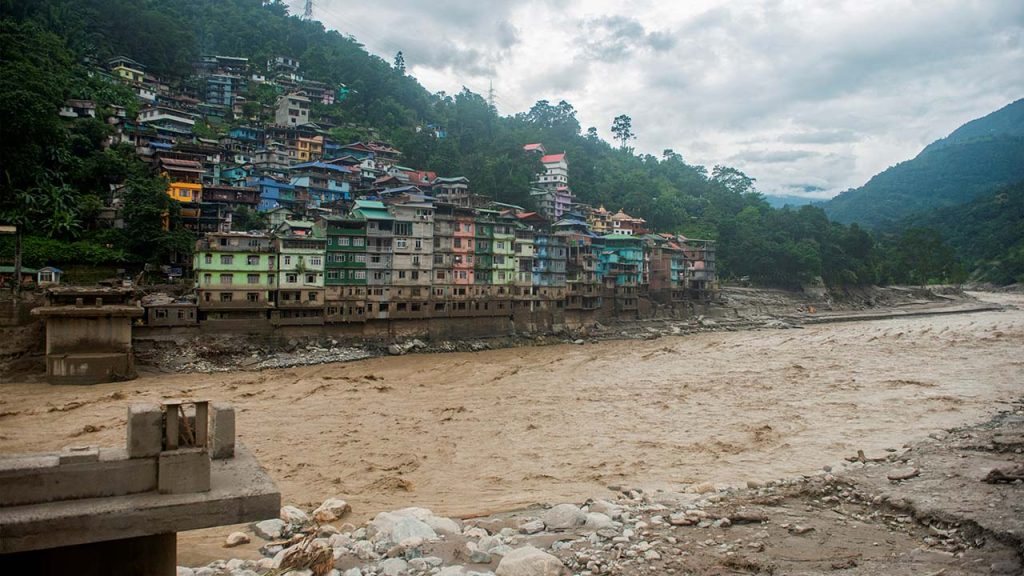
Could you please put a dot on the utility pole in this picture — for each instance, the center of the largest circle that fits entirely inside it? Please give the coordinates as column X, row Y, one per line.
column 307, row 14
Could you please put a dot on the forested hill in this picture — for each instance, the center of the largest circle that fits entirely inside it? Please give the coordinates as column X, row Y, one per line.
column 987, row 233
column 975, row 159
column 68, row 162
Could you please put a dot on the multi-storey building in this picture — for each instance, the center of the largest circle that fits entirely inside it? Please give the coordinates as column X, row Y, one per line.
column 345, row 277
column 483, row 250
column 323, row 182
column 300, row 274
column 413, row 247
column 292, row 109
column 503, row 251
column 221, row 89
column 667, row 281
column 236, row 276
column 452, row 190
column 551, row 188
column 380, row 227
column 621, row 267
column 524, row 254
column 700, row 272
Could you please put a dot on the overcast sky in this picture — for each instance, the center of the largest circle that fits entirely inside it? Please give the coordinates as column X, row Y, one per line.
column 796, row 94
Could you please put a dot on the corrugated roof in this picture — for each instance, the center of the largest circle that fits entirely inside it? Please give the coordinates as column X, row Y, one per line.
column 552, row 158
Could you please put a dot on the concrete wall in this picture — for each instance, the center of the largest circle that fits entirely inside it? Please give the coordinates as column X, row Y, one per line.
column 97, row 334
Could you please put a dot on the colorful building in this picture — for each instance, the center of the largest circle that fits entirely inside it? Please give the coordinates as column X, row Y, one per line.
column 235, row 275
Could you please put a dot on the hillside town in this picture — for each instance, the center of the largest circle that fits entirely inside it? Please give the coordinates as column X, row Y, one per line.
column 350, row 234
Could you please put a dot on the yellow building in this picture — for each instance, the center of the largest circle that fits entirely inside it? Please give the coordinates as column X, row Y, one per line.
column 310, row 149
column 185, row 192
column 129, row 74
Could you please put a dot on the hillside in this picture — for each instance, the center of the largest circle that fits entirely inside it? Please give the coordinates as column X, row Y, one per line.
column 987, row 233
column 977, row 158
column 171, row 39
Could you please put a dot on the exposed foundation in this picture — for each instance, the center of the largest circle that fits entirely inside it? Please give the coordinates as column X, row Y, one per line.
column 88, row 510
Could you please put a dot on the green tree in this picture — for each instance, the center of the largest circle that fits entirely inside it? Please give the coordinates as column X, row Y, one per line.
column 622, row 129
column 400, row 62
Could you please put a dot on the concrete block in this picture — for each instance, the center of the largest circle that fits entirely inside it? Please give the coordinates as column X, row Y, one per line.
column 145, row 430
column 38, row 482
column 184, row 471
column 73, row 454
column 222, row 441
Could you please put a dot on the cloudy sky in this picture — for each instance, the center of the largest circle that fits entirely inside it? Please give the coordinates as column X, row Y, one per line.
column 802, row 94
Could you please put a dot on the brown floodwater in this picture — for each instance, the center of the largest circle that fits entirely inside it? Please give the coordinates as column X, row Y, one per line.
column 473, row 433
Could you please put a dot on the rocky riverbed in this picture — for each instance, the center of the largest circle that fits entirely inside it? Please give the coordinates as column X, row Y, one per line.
column 890, row 513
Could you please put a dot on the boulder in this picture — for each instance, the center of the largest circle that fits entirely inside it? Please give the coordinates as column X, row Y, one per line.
column 236, row 539
column 272, row 529
column 394, row 567
column 597, row 521
column 443, row 525
column 529, row 561
column 563, row 517
column 531, row 527
column 396, row 350
column 393, row 527
column 332, row 509
column 294, row 516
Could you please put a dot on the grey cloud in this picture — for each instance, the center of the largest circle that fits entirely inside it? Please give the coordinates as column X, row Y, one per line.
column 773, row 156
column 613, row 38
column 820, row 137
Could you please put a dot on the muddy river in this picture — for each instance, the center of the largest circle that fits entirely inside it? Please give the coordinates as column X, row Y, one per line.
column 472, row 433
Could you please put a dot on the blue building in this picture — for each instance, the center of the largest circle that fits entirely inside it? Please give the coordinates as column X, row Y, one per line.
column 273, row 193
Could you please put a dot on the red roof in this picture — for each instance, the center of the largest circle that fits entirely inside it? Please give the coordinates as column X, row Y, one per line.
column 552, row 158
column 532, row 147
column 526, row 215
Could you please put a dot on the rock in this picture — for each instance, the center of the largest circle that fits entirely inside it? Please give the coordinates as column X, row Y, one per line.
column 418, row 344
column 452, row 571
column 613, row 511
column 529, row 561
column 183, row 571
column 236, row 539
column 563, row 517
column 596, row 521
column 394, row 566
column 748, row 517
column 531, row 527
column 679, row 519
column 903, row 474
column 652, row 555
column 396, row 350
column 353, row 572
column 272, row 529
column 702, row 488
column 393, row 527
column 477, row 556
column 578, row 342
column 488, row 542
column 332, row 509
column 443, row 525
column 294, row 516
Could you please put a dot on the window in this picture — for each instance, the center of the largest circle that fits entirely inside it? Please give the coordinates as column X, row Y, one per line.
column 207, row 278
column 312, row 296
column 208, row 259
column 458, row 242
column 418, row 244
column 252, row 296
column 270, row 279
column 315, row 262
column 401, row 274
column 415, row 274
column 401, row 243
column 359, row 275
column 462, row 274
column 227, row 259
column 415, row 260
column 291, row 278
column 225, row 296
column 361, row 258
column 332, row 275
column 225, row 278
column 253, row 278
column 252, row 260
column 440, row 274
column 358, row 241
column 499, row 246
column 287, row 260
column 342, row 240
column 378, row 276
column 310, row 278
column 161, row 313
